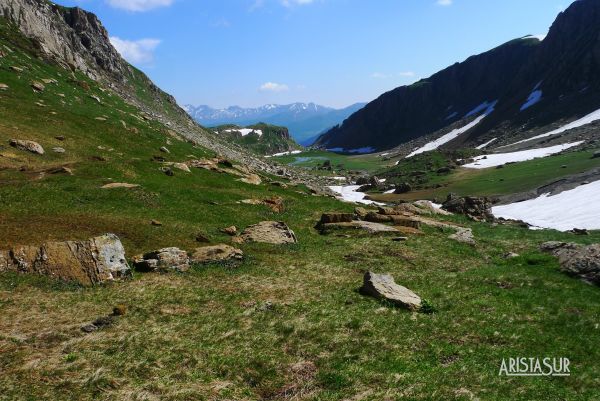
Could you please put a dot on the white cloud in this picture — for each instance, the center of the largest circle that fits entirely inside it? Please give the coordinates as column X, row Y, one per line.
column 289, row 3
column 380, row 75
column 406, row 74
column 444, row 2
column 139, row 5
column 273, row 87
column 135, row 51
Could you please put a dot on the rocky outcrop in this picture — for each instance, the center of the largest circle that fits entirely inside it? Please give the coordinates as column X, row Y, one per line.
column 367, row 227
column 270, row 232
column 216, row 254
column 163, row 260
column 383, row 287
column 576, row 260
column 476, row 208
column 28, row 146
column 89, row 262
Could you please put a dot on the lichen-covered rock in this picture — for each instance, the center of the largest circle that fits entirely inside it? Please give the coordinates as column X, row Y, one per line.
column 464, row 235
column 576, row 260
column 383, row 287
column 359, row 226
column 216, row 253
column 163, row 260
column 89, row 262
column 29, row 146
column 327, row 218
column 270, row 232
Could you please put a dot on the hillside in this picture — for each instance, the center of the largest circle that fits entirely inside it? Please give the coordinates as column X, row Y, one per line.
column 262, row 139
column 525, row 87
column 304, row 120
column 210, row 307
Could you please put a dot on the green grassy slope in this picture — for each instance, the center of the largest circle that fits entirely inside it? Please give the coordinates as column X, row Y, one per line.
column 287, row 323
column 274, row 139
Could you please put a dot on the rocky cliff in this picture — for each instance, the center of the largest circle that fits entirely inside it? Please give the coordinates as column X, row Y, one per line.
column 564, row 69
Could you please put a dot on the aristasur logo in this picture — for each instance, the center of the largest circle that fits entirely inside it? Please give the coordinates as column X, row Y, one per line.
column 528, row 366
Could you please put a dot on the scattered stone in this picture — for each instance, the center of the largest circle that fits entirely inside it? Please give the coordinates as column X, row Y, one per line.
column 96, row 98
column 510, row 255
column 443, row 170
column 366, row 226
column 361, row 212
column 16, row 69
column 3, row 87
column 168, row 171
column 120, row 310
column 49, row 81
column 182, row 167
column 156, row 223
column 88, row 262
column 232, row 230
column 100, row 118
column 29, row 146
column 403, row 188
column 163, row 260
column 464, row 235
column 216, row 253
column 383, row 287
column 270, row 232
column 596, row 154
column 201, row 237
column 275, row 203
column 400, row 239
column 252, row 179
column 58, row 150
column 61, row 170
column 476, row 208
column 327, row 218
column 426, row 207
column 113, row 185
column 576, row 260
column 37, row 86
column 164, row 149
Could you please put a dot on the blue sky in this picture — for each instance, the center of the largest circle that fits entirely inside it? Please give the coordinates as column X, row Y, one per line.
column 332, row 52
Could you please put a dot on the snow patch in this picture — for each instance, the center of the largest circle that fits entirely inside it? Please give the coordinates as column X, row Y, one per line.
column 245, row 131
column 291, row 152
column 534, row 97
column 499, row 159
column 576, row 208
column 487, row 106
column 485, row 145
column 349, row 193
column 588, row 119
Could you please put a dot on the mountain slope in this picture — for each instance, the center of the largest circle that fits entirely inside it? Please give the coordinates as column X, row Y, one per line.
column 304, row 120
column 262, row 139
column 534, row 83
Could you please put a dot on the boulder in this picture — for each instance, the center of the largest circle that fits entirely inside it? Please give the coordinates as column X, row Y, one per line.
column 270, row 232
column 163, row 260
column 596, row 154
column 3, row 87
column 164, row 149
column 327, row 218
column 364, row 226
column 476, row 208
column 361, row 212
column 88, row 262
column 37, row 86
column 182, row 167
column 251, row 179
column 232, row 230
column 58, row 149
column 216, row 253
column 576, row 260
column 426, row 207
column 29, row 146
column 383, row 287
column 403, row 188
column 377, row 218
column 275, row 203
column 463, row 235
column 406, row 221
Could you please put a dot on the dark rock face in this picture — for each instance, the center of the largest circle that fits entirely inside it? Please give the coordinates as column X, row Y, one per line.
column 477, row 208
column 564, row 66
column 403, row 188
column 576, row 260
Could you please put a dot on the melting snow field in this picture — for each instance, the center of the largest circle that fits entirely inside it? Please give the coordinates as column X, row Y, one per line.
column 590, row 118
column 499, row 159
column 349, row 194
column 245, row 131
column 291, row 152
column 577, row 208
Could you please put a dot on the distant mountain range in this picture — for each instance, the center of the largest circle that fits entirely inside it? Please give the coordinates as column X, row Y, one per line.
column 305, row 121
column 518, row 90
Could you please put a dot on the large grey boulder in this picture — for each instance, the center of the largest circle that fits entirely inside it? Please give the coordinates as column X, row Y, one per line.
column 163, row 260
column 477, row 208
column 383, row 287
column 576, row 260
column 88, row 262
